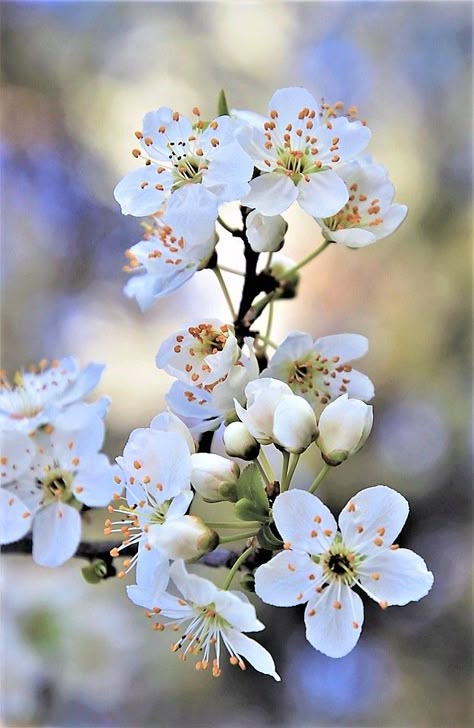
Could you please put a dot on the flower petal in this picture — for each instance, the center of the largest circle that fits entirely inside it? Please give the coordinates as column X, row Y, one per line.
column 56, row 534
column 237, row 611
column 194, row 588
column 353, row 237
column 304, row 522
column 392, row 219
column 272, row 193
column 288, row 102
column 136, row 192
column 229, row 173
column 395, row 577
column 257, row 655
column 360, row 386
column 346, row 346
column 15, row 517
column 95, row 485
column 322, row 194
column 334, row 620
column 289, row 578
column 152, row 571
column 373, row 518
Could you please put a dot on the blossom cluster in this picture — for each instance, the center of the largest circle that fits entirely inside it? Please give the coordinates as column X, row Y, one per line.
column 228, row 396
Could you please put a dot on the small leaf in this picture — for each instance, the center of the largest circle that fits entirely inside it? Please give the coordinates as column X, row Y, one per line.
column 268, row 540
column 247, row 510
column 250, row 485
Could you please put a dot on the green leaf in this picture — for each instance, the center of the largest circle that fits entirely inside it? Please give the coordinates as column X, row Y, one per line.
column 222, row 108
column 250, row 485
column 247, row 510
column 268, row 540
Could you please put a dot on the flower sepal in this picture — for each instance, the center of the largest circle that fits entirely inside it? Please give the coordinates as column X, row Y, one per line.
column 250, row 487
column 267, row 538
column 248, row 510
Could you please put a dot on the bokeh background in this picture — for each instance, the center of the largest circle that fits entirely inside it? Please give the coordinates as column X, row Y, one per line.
column 76, row 80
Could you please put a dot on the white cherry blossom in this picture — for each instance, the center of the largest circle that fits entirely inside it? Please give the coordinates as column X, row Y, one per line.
column 344, row 426
column 265, row 234
column 200, row 354
column 156, row 471
column 38, row 396
column 176, row 244
column 213, row 476
column 211, row 619
column 205, row 408
column 297, row 153
column 177, row 153
column 369, row 213
column 56, row 471
column 321, row 564
column 318, row 371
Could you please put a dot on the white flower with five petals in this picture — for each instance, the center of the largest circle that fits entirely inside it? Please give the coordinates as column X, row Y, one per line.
column 211, row 617
column 318, row 371
column 178, row 153
column 176, row 244
column 321, row 564
column 369, row 213
column 297, row 153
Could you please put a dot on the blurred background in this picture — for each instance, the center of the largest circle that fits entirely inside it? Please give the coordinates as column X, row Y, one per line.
column 76, row 80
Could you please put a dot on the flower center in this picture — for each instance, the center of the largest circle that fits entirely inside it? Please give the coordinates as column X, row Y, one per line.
column 56, row 485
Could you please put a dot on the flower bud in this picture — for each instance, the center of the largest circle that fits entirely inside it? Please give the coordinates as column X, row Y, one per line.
column 279, row 268
column 294, row 424
column 239, row 443
column 214, row 477
column 344, row 426
column 187, row 537
column 266, row 234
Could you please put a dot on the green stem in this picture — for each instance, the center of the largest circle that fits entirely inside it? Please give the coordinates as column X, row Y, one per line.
column 243, row 556
column 231, row 270
column 231, row 230
column 293, row 465
column 237, row 537
column 284, row 472
column 266, row 341
column 223, row 286
column 319, row 478
column 305, row 260
column 232, row 524
column 262, row 472
column 269, row 263
column 266, row 465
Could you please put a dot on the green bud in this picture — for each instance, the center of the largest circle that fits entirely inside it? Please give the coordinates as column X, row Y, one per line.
column 95, row 572
column 222, row 107
column 248, row 510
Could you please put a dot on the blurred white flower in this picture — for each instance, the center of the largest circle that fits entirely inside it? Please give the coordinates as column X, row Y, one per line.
column 344, row 426
column 212, row 616
column 175, row 245
column 369, row 214
column 297, row 153
column 318, row 371
column 178, row 153
column 320, row 564
column 38, row 396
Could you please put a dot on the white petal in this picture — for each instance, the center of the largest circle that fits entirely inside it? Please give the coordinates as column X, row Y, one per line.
column 392, row 219
column 380, row 511
column 86, row 381
column 360, row 386
column 298, row 344
column 353, row 237
column 229, row 173
column 288, row 102
column 304, row 522
column 323, row 194
column 396, row 577
column 345, row 346
column 334, row 620
column 257, row 655
column 193, row 588
column 56, row 534
column 238, row 612
column 353, row 138
column 294, row 424
column 168, row 422
column 15, row 517
column 96, row 485
column 272, row 193
column 135, row 199
column 285, row 580
column 152, row 571
column 192, row 212
column 16, row 451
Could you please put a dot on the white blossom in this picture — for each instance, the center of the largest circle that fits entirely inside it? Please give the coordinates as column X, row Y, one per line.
column 238, row 442
column 200, row 354
column 156, row 470
column 297, row 153
column 318, row 371
column 369, row 213
column 265, row 234
column 205, row 408
column 213, row 475
column 38, row 396
column 178, row 153
column 176, row 244
column 49, row 475
column 211, row 618
column 344, row 426
column 320, row 564
column 185, row 537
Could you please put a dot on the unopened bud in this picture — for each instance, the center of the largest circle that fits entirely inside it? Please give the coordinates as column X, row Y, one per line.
column 239, row 443
column 294, row 424
column 214, row 477
column 266, row 234
column 344, row 426
column 280, row 269
column 187, row 537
